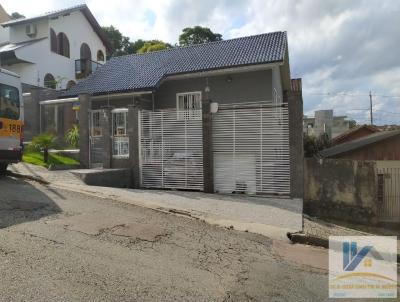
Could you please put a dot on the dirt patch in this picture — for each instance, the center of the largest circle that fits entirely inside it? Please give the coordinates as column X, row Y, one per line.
column 140, row 231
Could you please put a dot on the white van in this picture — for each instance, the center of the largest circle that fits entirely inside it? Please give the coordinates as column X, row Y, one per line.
column 11, row 119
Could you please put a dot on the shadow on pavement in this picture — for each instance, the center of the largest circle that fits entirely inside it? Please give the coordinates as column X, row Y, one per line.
column 21, row 202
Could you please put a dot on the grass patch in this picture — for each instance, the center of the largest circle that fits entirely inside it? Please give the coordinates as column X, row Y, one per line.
column 36, row 158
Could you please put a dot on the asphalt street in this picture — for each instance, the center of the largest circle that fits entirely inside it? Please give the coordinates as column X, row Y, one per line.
column 58, row 245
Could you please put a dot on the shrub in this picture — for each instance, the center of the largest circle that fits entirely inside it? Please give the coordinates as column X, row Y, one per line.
column 44, row 142
column 72, row 136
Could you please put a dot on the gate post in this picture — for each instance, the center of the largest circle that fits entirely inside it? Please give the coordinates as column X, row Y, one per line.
column 84, row 100
column 134, row 144
column 294, row 100
column 106, row 129
column 208, row 163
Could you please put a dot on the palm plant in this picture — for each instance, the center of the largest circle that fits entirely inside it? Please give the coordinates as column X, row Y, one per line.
column 44, row 142
column 72, row 136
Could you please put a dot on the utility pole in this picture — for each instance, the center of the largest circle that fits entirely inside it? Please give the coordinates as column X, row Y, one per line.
column 370, row 108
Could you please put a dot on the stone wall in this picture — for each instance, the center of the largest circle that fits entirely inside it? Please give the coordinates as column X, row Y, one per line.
column 341, row 189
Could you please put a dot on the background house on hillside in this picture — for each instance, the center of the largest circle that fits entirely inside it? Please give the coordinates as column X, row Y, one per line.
column 52, row 52
column 325, row 122
column 152, row 112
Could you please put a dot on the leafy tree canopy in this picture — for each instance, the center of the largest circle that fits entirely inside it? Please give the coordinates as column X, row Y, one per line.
column 16, row 15
column 153, row 45
column 197, row 35
column 123, row 46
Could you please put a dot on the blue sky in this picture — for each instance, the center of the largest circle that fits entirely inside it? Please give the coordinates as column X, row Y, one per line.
column 341, row 49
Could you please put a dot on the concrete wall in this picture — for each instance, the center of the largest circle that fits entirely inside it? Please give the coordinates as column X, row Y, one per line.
column 341, row 189
column 253, row 86
column 32, row 110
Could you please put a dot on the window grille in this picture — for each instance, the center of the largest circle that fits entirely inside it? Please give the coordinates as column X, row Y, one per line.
column 188, row 106
column 96, row 129
column 120, row 138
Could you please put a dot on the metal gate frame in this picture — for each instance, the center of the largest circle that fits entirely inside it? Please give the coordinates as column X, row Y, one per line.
column 171, row 150
column 388, row 190
column 251, row 149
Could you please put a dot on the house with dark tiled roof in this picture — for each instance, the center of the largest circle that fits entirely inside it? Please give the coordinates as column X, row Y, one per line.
column 220, row 117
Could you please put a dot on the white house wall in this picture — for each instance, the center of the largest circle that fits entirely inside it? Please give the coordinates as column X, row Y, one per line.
column 18, row 32
column 27, row 72
column 4, row 34
column 62, row 68
column 78, row 30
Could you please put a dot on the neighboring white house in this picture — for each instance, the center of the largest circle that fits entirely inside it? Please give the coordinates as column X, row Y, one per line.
column 53, row 50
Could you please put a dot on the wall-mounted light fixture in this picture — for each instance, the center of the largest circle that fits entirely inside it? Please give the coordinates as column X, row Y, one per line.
column 207, row 88
column 213, row 107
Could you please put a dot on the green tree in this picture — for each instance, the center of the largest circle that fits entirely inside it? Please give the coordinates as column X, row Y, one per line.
column 313, row 144
column 72, row 136
column 198, row 35
column 123, row 46
column 44, row 142
column 153, row 45
column 119, row 42
column 16, row 15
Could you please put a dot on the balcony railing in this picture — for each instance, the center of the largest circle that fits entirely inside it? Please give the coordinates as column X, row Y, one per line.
column 84, row 67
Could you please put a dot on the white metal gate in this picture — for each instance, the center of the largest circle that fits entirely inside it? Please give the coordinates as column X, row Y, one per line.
column 96, row 140
column 388, row 177
column 171, row 150
column 251, row 150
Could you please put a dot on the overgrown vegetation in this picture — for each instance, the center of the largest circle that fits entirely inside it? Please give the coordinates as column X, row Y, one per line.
column 72, row 136
column 313, row 144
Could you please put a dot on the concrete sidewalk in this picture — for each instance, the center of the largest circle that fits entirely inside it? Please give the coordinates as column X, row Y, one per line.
column 272, row 217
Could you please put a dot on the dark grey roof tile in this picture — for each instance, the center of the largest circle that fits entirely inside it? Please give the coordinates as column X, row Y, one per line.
column 144, row 71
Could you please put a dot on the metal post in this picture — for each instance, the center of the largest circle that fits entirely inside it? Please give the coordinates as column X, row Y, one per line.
column 370, row 108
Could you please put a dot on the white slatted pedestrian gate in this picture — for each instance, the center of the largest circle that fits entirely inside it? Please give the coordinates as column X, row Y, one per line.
column 171, row 150
column 388, row 177
column 96, row 139
column 251, row 150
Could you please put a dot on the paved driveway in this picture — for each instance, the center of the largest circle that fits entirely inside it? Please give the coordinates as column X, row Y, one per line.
column 273, row 217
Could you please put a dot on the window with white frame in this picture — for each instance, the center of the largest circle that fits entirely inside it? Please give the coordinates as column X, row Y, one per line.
column 120, row 138
column 95, row 127
column 188, row 105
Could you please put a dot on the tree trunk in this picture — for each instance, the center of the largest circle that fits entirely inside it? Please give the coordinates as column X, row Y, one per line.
column 45, row 155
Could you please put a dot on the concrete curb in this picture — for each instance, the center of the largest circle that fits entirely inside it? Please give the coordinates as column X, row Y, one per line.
column 269, row 231
column 29, row 177
column 315, row 241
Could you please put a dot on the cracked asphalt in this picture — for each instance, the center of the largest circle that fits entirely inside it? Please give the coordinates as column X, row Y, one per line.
column 57, row 245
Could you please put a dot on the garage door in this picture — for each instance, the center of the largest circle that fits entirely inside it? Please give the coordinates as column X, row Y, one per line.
column 251, row 150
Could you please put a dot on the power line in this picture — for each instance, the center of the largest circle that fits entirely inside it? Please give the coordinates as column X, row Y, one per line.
column 350, row 94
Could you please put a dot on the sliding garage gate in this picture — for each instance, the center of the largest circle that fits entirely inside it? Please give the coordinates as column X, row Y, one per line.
column 171, row 150
column 251, row 150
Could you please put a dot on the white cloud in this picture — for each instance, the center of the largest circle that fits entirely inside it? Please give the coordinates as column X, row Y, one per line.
column 335, row 45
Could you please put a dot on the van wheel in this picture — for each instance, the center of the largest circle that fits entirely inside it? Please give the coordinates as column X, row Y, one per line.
column 3, row 168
